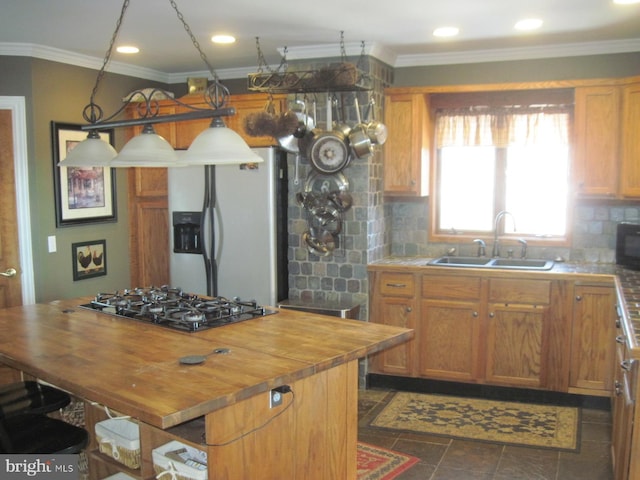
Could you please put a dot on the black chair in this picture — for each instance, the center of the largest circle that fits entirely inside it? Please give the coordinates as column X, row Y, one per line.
column 36, row 433
column 30, row 397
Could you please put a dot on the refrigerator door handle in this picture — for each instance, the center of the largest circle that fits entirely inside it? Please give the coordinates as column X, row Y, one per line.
column 208, row 229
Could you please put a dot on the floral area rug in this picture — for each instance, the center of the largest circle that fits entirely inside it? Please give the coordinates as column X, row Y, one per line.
column 513, row 423
column 375, row 463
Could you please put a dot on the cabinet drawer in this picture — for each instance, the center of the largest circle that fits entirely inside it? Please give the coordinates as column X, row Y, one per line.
column 443, row 286
column 519, row 291
column 402, row 284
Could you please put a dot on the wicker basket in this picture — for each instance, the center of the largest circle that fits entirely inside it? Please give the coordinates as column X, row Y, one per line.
column 119, row 438
column 170, row 469
column 119, row 476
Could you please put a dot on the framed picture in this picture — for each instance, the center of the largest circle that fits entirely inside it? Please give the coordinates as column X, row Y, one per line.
column 89, row 259
column 82, row 194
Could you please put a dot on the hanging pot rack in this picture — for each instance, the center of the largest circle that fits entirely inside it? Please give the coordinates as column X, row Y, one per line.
column 336, row 77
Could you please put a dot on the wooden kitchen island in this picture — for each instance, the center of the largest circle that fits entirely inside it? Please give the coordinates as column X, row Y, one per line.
column 220, row 406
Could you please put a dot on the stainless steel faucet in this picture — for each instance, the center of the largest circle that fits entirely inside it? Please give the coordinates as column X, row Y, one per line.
column 496, row 247
column 482, row 247
column 523, row 252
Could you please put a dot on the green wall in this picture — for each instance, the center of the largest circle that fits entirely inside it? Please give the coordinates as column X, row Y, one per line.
column 58, row 92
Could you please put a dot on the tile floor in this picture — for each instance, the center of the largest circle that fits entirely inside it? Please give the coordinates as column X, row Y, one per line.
column 443, row 458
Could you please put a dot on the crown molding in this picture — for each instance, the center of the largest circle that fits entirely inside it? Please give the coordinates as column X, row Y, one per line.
column 525, row 53
column 330, row 51
column 63, row 56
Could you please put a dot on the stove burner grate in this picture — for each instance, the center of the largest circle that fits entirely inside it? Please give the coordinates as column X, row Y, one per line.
column 173, row 308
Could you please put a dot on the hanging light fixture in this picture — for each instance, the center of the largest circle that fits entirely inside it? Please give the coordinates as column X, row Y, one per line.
column 216, row 145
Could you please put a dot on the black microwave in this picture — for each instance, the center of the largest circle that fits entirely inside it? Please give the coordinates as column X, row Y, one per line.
column 628, row 245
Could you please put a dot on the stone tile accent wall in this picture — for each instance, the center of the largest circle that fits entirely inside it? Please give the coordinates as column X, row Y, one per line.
column 342, row 275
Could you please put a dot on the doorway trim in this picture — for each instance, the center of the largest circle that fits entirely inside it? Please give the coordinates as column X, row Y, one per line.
column 21, row 167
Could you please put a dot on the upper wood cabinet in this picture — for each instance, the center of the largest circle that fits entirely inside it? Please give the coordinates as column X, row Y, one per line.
column 630, row 171
column 407, row 149
column 597, row 140
column 245, row 104
column 607, row 146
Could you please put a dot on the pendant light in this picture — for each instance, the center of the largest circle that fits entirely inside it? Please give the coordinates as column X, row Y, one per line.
column 146, row 150
column 219, row 145
column 216, row 145
column 93, row 150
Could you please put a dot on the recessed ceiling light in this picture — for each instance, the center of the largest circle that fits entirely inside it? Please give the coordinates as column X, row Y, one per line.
column 223, row 39
column 446, row 32
column 528, row 24
column 127, row 49
column 626, row 2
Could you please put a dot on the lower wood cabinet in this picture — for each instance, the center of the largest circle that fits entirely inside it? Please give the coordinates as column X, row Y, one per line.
column 501, row 329
column 395, row 304
column 450, row 328
column 592, row 340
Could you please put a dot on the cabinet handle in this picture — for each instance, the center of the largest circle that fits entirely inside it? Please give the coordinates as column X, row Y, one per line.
column 475, row 314
column 626, row 365
column 396, row 285
column 620, row 339
column 408, row 309
column 618, row 387
column 578, row 298
column 491, row 315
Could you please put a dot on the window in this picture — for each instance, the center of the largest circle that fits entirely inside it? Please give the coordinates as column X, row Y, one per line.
column 492, row 158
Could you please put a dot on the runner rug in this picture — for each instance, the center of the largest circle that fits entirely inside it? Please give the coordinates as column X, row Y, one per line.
column 513, row 423
column 375, row 463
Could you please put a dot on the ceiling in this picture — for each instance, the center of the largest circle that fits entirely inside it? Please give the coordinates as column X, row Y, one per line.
column 398, row 32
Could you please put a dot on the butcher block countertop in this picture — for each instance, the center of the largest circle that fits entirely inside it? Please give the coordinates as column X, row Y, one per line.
column 134, row 368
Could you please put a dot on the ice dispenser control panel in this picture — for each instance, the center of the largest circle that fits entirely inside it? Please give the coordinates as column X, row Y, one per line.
column 186, row 232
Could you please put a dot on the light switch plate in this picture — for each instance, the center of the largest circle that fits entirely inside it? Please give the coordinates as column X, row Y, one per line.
column 51, row 242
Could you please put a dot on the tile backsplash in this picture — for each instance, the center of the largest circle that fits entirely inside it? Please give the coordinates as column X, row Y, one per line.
column 593, row 232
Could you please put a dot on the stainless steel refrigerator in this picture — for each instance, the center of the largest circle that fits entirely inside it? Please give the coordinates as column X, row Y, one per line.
column 229, row 235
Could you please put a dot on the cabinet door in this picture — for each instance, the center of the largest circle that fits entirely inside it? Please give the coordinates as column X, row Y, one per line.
column 186, row 132
column 597, row 137
column 622, row 407
column 592, row 339
column 630, row 175
column 406, row 151
column 516, row 349
column 449, row 337
column 398, row 312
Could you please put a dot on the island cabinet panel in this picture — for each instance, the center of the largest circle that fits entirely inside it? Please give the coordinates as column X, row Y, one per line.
column 592, row 346
column 393, row 300
column 320, row 418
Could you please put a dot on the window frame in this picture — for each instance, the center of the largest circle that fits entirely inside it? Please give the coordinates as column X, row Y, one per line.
column 494, row 97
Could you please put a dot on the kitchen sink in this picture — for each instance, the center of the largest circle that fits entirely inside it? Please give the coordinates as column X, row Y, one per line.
column 460, row 261
column 483, row 262
column 522, row 263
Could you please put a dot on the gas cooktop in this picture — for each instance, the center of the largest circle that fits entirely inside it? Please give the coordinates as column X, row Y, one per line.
column 173, row 308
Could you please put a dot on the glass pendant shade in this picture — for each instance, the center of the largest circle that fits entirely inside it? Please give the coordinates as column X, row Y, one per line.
column 219, row 145
column 91, row 152
column 146, row 150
